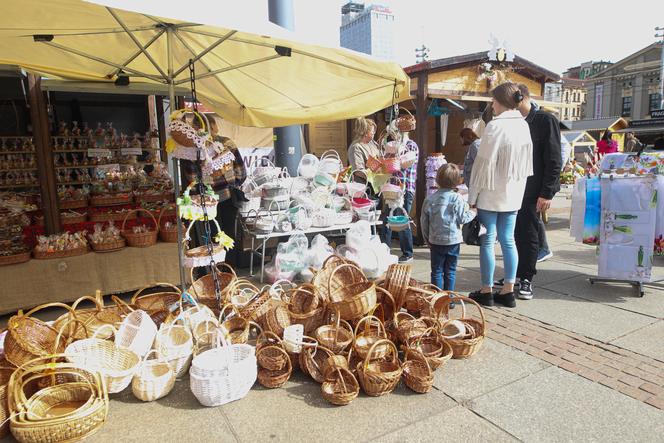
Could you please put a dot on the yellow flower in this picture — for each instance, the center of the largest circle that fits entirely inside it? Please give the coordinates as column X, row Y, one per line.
column 224, row 240
column 170, row 145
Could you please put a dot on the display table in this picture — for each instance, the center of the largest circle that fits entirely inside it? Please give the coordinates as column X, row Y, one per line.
column 64, row 280
column 259, row 250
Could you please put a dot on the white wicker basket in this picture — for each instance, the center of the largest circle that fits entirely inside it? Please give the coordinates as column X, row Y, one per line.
column 154, row 379
column 223, row 374
column 174, row 343
column 136, row 332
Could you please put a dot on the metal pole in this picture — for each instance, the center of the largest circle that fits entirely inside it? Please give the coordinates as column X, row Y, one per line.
column 287, row 139
column 661, row 72
column 176, row 162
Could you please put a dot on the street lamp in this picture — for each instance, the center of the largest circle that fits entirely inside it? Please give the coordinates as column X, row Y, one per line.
column 421, row 54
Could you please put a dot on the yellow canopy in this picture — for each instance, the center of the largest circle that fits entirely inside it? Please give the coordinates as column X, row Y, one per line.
column 248, row 79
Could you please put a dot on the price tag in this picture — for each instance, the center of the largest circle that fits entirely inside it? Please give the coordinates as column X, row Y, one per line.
column 131, row 151
column 99, row 152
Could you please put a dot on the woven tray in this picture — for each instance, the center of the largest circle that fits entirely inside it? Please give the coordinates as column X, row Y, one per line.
column 108, row 246
column 6, row 260
column 73, row 204
column 59, row 254
column 110, row 200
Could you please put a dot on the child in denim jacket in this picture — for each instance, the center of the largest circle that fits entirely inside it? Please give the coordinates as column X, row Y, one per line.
column 443, row 213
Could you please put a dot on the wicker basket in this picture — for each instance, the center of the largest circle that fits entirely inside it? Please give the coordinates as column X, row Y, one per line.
column 340, row 387
column 467, row 346
column 73, row 219
column 160, row 305
column 175, row 344
column 305, row 308
column 136, row 332
column 406, row 123
column 380, row 377
column 356, row 299
column 435, row 349
column 203, row 288
column 109, row 246
column 110, row 199
column 29, row 338
column 154, row 379
column 397, row 279
column 325, row 279
column 373, row 331
column 43, row 255
column 223, row 374
column 140, row 240
column 335, row 337
column 71, row 410
column 417, row 374
column 5, row 374
column 6, row 260
column 274, row 379
column 236, row 328
column 312, row 361
column 117, row 365
column 170, row 234
column 272, row 359
column 90, row 319
column 277, row 319
column 73, row 204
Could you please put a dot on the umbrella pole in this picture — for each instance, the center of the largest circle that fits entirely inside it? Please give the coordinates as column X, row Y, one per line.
column 176, row 162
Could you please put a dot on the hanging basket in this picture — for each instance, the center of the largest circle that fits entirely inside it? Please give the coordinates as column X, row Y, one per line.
column 140, row 239
column 191, row 207
column 200, row 256
column 406, row 123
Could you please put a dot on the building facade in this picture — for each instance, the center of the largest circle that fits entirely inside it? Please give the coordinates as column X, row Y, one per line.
column 368, row 29
column 629, row 88
column 553, row 92
column 573, row 93
column 587, row 69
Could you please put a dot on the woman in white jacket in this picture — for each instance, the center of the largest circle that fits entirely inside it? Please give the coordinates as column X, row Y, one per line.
column 504, row 162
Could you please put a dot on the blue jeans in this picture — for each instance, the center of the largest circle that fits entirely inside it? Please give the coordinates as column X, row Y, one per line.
column 443, row 265
column 405, row 236
column 499, row 224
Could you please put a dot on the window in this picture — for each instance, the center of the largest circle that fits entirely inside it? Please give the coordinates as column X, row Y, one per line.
column 626, row 106
column 653, row 102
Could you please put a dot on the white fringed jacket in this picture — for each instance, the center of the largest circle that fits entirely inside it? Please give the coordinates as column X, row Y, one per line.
column 503, row 163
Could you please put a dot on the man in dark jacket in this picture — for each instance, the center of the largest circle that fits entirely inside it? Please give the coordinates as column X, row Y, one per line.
column 540, row 188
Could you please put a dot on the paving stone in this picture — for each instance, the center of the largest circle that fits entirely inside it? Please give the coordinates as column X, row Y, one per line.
column 591, row 319
column 492, row 367
column 459, row 423
column 554, row 405
column 647, row 341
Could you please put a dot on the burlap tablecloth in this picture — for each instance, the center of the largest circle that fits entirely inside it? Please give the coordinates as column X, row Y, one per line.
column 64, row 280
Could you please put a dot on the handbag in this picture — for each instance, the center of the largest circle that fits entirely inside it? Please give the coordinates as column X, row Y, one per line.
column 471, row 232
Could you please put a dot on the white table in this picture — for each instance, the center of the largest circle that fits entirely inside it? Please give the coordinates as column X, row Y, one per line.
column 263, row 238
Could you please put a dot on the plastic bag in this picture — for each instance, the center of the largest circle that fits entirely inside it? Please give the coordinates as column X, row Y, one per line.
column 291, row 255
column 319, row 252
column 358, row 235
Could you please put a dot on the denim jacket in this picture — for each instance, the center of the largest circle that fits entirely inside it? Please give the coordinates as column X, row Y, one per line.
column 443, row 213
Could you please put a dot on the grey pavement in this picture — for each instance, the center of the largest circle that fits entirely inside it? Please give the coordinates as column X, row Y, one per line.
column 499, row 395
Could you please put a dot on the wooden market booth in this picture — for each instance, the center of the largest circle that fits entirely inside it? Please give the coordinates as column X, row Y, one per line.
column 452, row 93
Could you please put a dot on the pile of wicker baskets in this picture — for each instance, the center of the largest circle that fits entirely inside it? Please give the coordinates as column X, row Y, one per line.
column 343, row 331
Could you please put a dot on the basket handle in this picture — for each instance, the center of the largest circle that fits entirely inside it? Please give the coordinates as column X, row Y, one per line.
column 368, row 321
column 382, row 341
column 421, row 336
column 442, row 305
column 70, row 333
column 137, row 210
column 47, row 305
column 122, row 304
column 89, row 298
column 223, row 311
column 479, row 308
column 138, row 293
column 268, row 337
column 389, row 296
column 343, row 265
column 165, row 209
column 398, row 207
column 330, row 153
column 229, row 267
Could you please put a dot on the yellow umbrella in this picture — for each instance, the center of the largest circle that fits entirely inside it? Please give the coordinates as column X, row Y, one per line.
column 248, row 79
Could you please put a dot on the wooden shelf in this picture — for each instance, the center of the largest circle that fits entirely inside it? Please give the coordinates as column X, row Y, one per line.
column 72, row 183
column 105, row 164
column 36, row 185
column 18, row 169
column 64, row 151
column 16, row 152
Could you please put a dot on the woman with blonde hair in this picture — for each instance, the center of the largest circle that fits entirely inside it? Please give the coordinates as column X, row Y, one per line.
column 363, row 145
column 504, row 161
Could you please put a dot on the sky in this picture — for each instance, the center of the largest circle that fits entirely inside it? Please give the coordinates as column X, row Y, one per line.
column 554, row 35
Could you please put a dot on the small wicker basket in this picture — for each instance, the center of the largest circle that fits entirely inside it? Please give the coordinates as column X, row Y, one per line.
column 141, row 239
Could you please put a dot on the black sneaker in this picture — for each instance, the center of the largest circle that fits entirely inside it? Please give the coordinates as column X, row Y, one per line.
column 405, row 259
column 525, row 289
column 500, row 283
column 508, row 300
column 483, row 298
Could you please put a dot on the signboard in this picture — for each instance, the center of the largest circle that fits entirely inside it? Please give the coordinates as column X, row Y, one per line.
column 131, row 151
column 329, row 135
column 657, row 114
column 98, row 152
